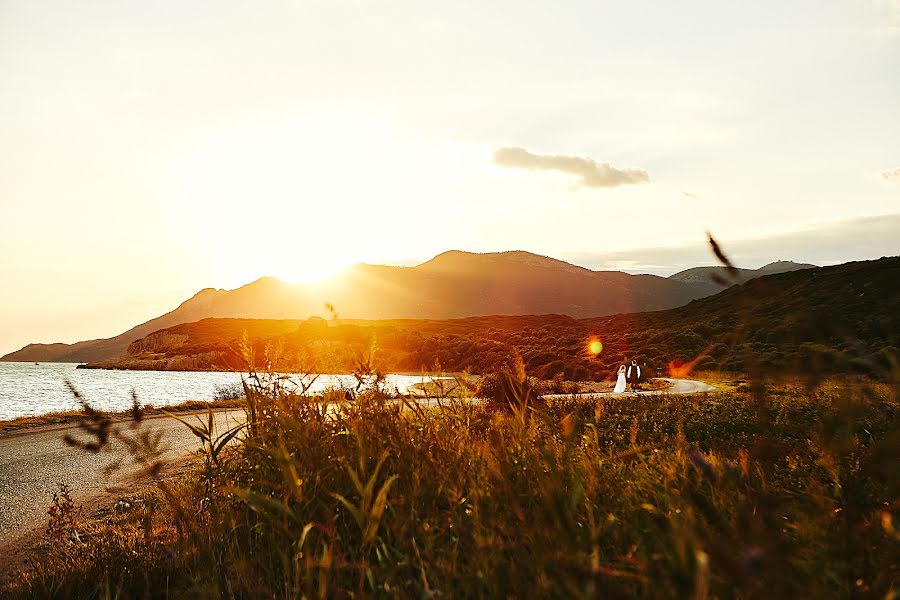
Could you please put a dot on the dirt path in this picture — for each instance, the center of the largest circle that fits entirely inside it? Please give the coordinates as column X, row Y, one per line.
column 679, row 386
column 684, row 386
column 34, row 461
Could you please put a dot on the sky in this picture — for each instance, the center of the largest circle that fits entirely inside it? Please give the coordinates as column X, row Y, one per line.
column 151, row 149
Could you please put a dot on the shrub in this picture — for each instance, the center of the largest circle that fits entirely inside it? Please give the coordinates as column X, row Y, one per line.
column 229, row 391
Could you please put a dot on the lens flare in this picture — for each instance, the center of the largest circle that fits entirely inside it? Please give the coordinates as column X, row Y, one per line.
column 595, row 346
column 679, row 369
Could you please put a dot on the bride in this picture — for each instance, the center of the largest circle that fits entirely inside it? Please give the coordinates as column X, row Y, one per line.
column 620, row 381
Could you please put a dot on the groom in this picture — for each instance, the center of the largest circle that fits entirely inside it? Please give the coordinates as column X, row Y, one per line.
column 633, row 375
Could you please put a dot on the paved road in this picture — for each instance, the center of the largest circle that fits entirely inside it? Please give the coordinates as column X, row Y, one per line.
column 33, row 462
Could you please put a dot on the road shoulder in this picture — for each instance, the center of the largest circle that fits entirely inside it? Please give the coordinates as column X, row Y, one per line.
column 27, row 546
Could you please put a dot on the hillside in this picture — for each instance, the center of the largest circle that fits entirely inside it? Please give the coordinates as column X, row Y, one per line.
column 451, row 285
column 91, row 350
column 705, row 277
column 840, row 317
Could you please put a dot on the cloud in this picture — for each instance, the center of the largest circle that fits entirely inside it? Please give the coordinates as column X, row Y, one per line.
column 859, row 239
column 891, row 175
column 592, row 174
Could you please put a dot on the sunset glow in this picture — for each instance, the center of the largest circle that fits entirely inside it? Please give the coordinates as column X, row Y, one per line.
column 179, row 158
column 309, row 271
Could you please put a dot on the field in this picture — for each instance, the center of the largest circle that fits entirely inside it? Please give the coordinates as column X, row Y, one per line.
column 771, row 489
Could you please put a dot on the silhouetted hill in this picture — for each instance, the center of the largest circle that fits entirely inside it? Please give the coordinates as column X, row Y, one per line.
column 451, row 285
column 840, row 318
column 91, row 350
column 705, row 277
column 783, row 266
column 835, row 317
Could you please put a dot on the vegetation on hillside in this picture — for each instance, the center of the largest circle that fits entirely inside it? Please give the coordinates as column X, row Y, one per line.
column 452, row 285
column 843, row 317
column 832, row 319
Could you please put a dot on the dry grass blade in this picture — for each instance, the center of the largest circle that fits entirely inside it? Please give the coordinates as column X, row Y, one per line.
column 717, row 250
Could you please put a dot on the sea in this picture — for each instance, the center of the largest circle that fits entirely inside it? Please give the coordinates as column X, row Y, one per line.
column 28, row 389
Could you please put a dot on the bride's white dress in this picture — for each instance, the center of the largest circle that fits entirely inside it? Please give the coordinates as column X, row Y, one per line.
column 620, row 384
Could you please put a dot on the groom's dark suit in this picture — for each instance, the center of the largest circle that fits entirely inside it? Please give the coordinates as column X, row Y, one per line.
column 633, row 375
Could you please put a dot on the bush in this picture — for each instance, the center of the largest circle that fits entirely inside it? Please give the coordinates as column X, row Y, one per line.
column 229, row 391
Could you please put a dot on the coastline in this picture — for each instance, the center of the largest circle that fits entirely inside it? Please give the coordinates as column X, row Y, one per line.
column 64, row 418
column 139, row 367
column 244, row 371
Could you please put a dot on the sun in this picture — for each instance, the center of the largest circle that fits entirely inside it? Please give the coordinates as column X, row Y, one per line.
column 303, row 198
column 310, row 269
column 595, row 346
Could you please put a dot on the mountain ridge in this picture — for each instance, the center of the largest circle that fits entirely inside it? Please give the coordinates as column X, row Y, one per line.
column 839, row 316
column 705, row 277
column 453, row 284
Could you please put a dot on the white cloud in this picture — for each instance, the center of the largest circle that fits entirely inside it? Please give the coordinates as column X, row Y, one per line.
column 592, row 174
column 892, row 175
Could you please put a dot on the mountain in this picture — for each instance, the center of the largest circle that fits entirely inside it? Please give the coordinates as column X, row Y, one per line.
column 451, row 285
column 705, row 277
column 783, row 266
column 838, row 318
column 707, row 274
column 461, row 284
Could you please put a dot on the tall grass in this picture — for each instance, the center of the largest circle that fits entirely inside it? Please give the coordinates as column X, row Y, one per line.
column 657, row 497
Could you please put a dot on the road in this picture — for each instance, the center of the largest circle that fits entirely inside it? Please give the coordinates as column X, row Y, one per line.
column 33, row 462
column 679, row 387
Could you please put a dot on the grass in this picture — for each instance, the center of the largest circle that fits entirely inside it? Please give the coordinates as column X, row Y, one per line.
column 788, row 493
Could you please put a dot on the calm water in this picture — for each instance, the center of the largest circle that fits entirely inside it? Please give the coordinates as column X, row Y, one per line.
column 30, row 389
